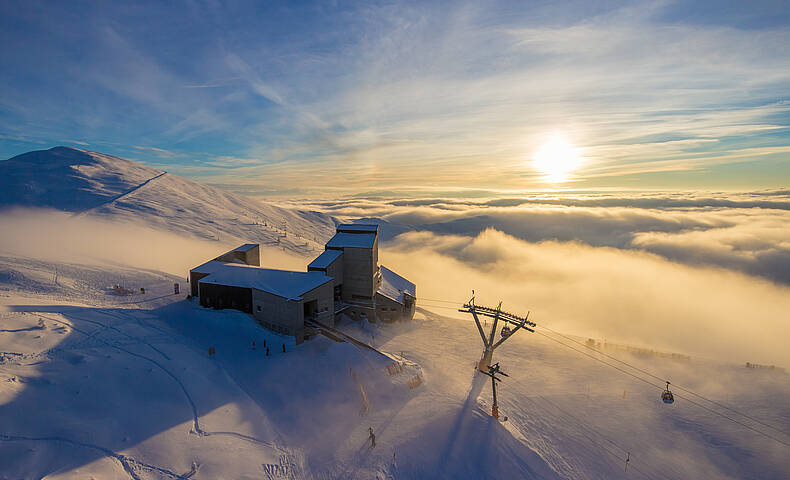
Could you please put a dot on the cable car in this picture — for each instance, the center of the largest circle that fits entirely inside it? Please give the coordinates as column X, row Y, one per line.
column 667, row 396
column 505, row 331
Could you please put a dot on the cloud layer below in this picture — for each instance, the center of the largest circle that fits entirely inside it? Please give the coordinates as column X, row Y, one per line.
column 603, row 292
column 702, row 274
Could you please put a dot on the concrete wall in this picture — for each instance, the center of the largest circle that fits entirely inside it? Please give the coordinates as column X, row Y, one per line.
column 335, row 270
column 359, row 268
column 194, row 278
column 253, row 256
column 287, row 316
column 277, row 313
column 325, row 299
column 388, row 310
column 223, row 296
column 249, row 257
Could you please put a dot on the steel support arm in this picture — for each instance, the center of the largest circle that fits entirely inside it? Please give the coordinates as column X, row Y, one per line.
column 519, row 327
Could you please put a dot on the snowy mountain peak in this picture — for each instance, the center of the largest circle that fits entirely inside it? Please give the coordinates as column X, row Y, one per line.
column 91, row 183
column 68, row 179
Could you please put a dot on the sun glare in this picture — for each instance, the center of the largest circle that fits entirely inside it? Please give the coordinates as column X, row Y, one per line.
column 556, row 160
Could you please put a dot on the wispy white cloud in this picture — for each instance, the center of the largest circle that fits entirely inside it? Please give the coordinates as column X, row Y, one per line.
column 161, row 152
column 459, row 95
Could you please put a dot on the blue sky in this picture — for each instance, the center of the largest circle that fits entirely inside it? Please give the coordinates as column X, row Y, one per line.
column 299, row 97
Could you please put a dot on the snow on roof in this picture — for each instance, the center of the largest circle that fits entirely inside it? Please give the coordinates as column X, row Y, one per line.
column 394, row 286
column 245, row 248
column 361, row 240
column 284, row 283
column 325, row 259
column 358, row 227
column 209, row 267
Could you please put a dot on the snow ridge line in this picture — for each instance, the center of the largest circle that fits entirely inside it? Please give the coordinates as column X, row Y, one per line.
column 129, row 464
column 120, row 196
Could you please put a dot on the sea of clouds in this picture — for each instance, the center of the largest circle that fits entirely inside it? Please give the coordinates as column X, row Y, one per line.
column 705, row 274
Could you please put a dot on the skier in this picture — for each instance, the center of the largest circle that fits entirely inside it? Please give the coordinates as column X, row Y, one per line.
column 372, row 437
column 253, row 345
column 283, row 348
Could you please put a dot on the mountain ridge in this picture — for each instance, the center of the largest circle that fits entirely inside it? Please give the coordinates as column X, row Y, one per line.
column 84, row 182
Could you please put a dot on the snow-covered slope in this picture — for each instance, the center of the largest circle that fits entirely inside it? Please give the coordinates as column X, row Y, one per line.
column 95, row 385
column 68, row 179
column 98, row 185
column 99, row 385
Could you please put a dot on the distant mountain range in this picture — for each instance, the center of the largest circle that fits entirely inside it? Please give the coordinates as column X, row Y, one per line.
column 89, row 183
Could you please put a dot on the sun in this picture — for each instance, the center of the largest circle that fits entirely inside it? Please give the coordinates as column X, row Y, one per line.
column 556, row 160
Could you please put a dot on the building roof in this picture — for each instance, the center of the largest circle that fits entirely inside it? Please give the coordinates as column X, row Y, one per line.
column 394, row 286
column 325, row 259
column 209, row 267
column 358, row 228
column 359, row 240
column 245, row 248
column 284, row 283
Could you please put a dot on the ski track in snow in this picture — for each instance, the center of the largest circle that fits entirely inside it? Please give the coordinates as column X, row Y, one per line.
column 129, row 463
column 195, row 416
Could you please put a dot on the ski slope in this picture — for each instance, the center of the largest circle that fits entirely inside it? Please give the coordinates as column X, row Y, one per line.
column 117, row 386
column 94, row 384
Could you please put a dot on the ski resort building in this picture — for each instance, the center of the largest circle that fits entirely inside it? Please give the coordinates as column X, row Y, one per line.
column 249, row 254
column 344, row 279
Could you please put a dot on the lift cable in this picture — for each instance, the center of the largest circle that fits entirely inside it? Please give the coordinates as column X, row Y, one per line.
column 662, row 388
column 438, row 300
column 680, row 387
column 597, row 432
column 674, row 385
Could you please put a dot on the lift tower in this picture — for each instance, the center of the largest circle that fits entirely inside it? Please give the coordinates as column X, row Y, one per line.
column 498, row 315
column 493, row 371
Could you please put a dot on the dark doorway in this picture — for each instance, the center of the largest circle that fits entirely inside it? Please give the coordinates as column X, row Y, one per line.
column 310, row 309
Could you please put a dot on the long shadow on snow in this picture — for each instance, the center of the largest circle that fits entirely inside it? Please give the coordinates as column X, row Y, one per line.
column 72, row 399
column 475, row 446
column 308, row 392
